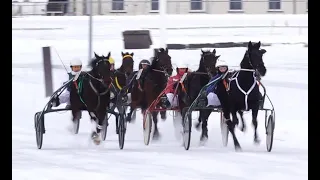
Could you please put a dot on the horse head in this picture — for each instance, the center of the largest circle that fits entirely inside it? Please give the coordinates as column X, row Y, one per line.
column 101, row 67
column 208, row 61
column 162, row 61
column 127, row 62
column 253, row 58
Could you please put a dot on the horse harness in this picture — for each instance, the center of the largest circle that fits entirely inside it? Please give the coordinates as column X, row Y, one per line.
column 255, row 80
column 78, row 85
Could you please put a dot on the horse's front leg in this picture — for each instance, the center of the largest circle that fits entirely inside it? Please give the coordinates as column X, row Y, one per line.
column 95, row 127
column 163, row 115
column 132, row 109
column 255, row 123
column 244, row 126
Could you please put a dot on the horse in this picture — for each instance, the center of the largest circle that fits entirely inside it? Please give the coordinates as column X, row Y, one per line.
column 91, row 91
column 121, row 74
column 155, row 81
column 196, row 80
column 244, row 94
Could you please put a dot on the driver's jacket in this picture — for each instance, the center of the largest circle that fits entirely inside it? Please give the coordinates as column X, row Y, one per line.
column 171, row 84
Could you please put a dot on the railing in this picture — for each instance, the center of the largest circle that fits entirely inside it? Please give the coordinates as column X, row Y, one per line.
column 143, row 7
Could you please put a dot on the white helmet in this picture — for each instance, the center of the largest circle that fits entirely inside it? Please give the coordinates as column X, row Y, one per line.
column 75, row 62
column 221, row 63
column 182, row 66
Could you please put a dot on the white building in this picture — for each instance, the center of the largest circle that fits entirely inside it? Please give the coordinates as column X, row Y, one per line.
column 144, row 7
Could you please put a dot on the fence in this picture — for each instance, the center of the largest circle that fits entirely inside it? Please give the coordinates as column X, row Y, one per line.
column 149, row 7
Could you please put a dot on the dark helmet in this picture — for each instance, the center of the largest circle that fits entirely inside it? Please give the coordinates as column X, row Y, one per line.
column 144, row 61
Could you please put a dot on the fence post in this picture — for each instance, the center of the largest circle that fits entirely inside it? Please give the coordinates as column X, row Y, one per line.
column 47, row 66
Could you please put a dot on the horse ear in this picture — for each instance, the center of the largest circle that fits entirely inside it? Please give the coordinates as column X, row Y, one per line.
column 258, row 44
column 217, row 57
column 167, row 50
column 122, row 53
column 131, row 54
column 214, row 51
column 95, row 55
column 109, row 54
column 202, row 51
column 263, row 51
column 249, row 45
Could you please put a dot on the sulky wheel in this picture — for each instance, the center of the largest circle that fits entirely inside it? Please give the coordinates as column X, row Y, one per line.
column 269, row 131
column 122, row 129
column 224, row 130
column 147, row 126
column 187, row 125
column 39, row 127
column 104, row 129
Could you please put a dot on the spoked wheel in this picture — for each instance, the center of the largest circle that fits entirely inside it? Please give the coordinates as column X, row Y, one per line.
column 122, row 129
column 224, row 130
column 187, row 124
column 147, row 126
column 269, row 131
column 104, row 129
column 39, row 127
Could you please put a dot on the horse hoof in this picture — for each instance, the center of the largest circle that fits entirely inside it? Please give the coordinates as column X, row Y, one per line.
column 197, row 126
column 243, row 129
column 96, row 138
column 163, row 117
column 128, row 118
column 203, row 140
column 256, row 141
column 238, row 148
column 156, row 136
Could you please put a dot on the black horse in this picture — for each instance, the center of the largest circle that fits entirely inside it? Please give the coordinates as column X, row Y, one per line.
column 91, row 92
column 244, row 94
column 196, row 80
column 155, row 81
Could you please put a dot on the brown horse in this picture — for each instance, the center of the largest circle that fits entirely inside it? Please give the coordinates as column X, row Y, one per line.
column 121, row 74
column 155, row 81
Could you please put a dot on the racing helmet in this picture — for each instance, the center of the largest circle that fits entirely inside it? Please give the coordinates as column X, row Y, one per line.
column 221, row 63
column 144, row 61
column 111, row 60
column 180, row 66
column 75, row 62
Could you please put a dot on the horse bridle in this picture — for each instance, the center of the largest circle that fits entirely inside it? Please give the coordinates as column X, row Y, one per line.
column 207, row 68
column 164, row 69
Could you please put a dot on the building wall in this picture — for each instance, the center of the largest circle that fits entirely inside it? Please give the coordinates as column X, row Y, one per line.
column 143, row 7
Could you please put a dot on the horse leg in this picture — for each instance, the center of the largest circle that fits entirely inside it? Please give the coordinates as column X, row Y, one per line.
column 132, row 109
column 94, row 128
column 204, row 119
column 255, row 123
column 177, row 123
column 197, row 124
column 76, row 116
column 156, row 134
column 244, row 126
column 163, row 115
column 231, row 125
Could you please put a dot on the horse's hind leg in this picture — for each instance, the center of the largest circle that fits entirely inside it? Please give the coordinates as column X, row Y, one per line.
column 244, row 126
column 197, row 124
column 231, row 125
column 255, row 123
column 156, row 134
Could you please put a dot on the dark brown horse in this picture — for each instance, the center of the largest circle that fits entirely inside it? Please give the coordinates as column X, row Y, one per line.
column 154, row 83
column 91, row 91
column 121, row 74
column 196, row 81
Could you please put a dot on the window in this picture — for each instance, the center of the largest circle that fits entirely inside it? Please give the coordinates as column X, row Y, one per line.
column 196, row 5
column 154, row 5
column 235, row 4
column 117, row 5
column 274, row 4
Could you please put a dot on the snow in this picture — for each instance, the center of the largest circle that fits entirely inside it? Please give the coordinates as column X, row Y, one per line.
column 73, row 157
